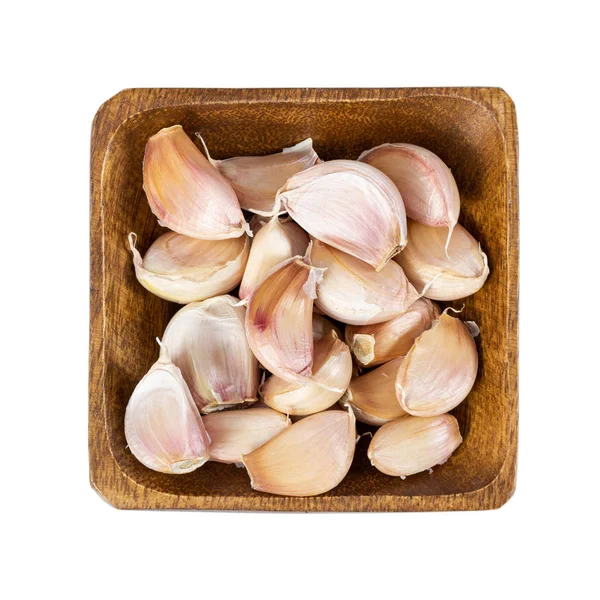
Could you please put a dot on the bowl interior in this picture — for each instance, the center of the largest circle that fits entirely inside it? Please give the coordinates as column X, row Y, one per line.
column 462, row 132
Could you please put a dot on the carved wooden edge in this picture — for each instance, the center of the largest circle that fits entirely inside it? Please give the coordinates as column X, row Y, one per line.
column 106, row 477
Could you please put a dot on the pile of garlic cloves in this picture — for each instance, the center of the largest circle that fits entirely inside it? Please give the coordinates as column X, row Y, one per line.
column 308, row 290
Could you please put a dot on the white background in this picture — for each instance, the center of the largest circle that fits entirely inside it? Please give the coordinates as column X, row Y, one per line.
column 60, row 62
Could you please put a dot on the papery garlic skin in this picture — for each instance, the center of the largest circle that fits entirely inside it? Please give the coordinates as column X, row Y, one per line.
column 372, row 396
column 234, row 433
column 279, row 320
column 427, row 186
column 424, row 261
column 256, row 179
column 207, row 341
column 439, row 370
column 163, row 427
column 183, row 269
column 332, row 367
column 373, row 345
column 348, row 205
column 186, row 192
column 311, row 457
column 354, row 293
column 414, row 444
column 272, row 244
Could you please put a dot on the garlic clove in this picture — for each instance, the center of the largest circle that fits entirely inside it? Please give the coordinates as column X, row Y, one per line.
column 183, row 269
column 374, row 345
column 272, row 244
column 256, row 179
column 439, row 370
column 372, row 396
column 207, row 341
column 323, row 327
column 352, row 292
column 332, row 368
column 424, row 261
column 348, row 205
column 185, row 192
column 427, row 185
column 163, row 427
column 308, row 458
column 414, row 444
column 279, row 319
column 234, row 433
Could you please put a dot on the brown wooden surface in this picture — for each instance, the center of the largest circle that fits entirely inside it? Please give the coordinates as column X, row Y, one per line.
column 472, row 129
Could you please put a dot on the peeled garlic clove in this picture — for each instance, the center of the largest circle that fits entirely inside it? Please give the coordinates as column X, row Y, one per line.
column 207, row 341
column 256, row 179
column 272, row 244
column 374, row 345
column 279, row 319
column 372, row 396
column 439, row 370
column 323, row 327
column 424, row 261
column 414, row 444
column 332, row 368
column 163, row 427
column 352, row 292
column 351, row 206
column 183, row 269
column 427, row 185
column 311, row 457
column 185, row 192
column 234, row 433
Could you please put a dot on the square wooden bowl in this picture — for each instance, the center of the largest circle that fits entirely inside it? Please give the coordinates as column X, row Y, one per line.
column 472, row 129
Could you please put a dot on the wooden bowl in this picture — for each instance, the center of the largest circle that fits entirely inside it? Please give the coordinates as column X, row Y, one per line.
column 472, row 129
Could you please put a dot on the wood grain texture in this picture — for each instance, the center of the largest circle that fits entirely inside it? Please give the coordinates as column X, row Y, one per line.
column 472, row 129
